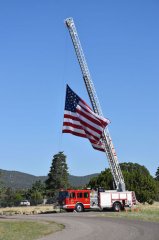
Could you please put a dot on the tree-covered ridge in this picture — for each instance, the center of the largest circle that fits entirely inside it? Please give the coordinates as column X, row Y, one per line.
column 20, row 180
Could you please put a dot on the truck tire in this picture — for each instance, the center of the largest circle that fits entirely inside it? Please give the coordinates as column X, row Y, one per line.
column 79, row 207
column 117, row 207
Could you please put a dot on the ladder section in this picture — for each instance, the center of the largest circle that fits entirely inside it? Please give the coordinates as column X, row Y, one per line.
column 109, row 148
column 113, row 162
column 83, row 65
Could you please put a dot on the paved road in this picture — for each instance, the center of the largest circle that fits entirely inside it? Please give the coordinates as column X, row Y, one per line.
column 92, row 226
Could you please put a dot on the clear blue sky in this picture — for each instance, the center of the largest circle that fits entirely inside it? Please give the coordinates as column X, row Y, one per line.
column 120, row 40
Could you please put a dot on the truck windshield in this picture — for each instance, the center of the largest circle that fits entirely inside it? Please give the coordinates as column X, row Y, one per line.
column 63, row 195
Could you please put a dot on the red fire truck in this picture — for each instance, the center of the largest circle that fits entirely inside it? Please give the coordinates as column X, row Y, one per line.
column 80, row 200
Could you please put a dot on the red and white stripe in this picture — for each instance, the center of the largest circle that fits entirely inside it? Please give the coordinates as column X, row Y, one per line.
column 85, row 123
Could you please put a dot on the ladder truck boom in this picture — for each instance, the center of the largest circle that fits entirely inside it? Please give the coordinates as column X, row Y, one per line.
column 109, row 148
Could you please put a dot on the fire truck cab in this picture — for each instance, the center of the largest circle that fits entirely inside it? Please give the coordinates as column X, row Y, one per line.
column 74, row 199
column 80, row 200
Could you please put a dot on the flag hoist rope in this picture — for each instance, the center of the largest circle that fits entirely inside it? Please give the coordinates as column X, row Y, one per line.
column 109, row 148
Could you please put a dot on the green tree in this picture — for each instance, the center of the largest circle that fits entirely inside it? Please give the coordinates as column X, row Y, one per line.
column 157, row 174
column 7, row 199
column 37, row 193
column 38, row 186
column 137, row 178
column 17, row 198
column 10, row 197
column 58, row 176
column 157, row 182
column 104, row 179
column 36, row 198
column 2, row 196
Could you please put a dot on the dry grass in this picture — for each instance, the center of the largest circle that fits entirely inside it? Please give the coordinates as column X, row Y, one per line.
column 28, row 210
column 140, row 212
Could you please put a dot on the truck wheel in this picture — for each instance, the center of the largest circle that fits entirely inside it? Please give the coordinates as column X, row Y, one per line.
column 117, row 207
column 79, row 207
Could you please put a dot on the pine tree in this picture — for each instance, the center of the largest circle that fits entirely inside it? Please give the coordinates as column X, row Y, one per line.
column 157, row 174
column 58, row 176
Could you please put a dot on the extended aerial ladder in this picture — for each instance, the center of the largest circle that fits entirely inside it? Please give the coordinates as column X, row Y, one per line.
column 109, row 148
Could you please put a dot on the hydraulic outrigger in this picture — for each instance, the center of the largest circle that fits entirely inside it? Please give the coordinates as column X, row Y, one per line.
column 109, row 148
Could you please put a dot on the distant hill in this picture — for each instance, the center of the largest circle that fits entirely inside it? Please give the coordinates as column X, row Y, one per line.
column 81, row 181
column 20, row 180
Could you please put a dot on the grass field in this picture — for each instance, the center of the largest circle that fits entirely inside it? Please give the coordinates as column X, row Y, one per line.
column 24, row 230
column 141, row 212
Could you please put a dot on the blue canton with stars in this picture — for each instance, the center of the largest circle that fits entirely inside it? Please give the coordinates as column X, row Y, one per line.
column 72, row 100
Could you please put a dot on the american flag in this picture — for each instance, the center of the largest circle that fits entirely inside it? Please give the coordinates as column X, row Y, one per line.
column 80, row 120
